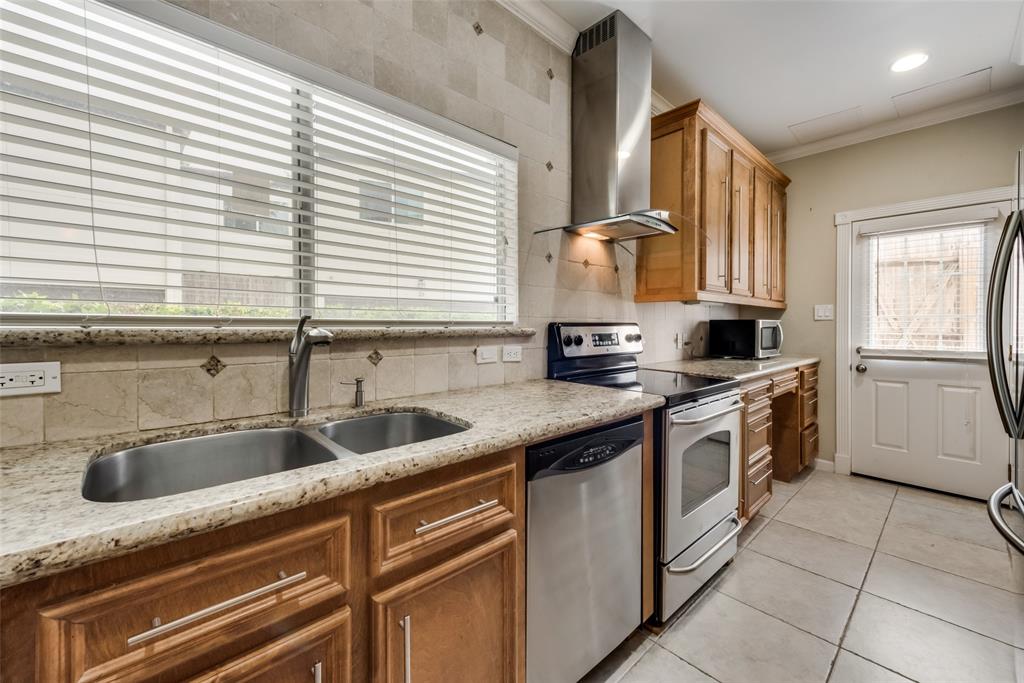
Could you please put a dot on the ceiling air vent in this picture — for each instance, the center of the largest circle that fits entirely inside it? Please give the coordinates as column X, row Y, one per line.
column 600, row 32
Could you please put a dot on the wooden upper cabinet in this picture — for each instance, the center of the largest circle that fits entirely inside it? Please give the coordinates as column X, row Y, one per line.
column 719, row 189
column 454, row 622
column 741, row 237
column 716, row 160
column 762, row 252
column 778, row 242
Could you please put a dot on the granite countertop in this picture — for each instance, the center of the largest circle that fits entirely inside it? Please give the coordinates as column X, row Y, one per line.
column 728, row 368
column 12, row 336
column 47, row 527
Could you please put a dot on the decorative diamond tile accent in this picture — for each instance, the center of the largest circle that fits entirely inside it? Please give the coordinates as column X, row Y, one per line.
column 478, row 28
column 213, row 366
column 551, row 74
column 549, row 257
column 550, row 166
column 616, row 269
column 586, row 263
column 375, row 357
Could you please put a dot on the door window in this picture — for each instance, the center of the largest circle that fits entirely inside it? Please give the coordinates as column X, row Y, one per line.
column 926, row 289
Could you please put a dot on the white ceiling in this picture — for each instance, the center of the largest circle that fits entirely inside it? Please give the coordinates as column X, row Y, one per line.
column 771, row 64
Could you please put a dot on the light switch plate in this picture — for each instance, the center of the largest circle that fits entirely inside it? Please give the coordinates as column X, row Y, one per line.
column 486, row 354
column 512, row 353
column 19, row 379
column 823, row 312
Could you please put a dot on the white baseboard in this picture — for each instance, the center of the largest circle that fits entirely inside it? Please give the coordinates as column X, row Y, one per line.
column 842, row 464
column 824, row 465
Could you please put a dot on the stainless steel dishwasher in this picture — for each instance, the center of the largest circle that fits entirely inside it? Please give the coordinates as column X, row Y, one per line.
column 583, row 552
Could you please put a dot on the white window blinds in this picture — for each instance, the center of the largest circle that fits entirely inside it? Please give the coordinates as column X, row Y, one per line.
column 148, row 174
column 926, row 289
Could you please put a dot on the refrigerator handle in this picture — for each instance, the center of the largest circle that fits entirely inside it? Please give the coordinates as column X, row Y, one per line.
column 995, row 513
column 994, row 326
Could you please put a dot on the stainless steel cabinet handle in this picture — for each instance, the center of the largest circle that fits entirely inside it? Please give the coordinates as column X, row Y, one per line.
column 161, row 629
column 731, row 409
column 406, row 625
column 426, row 526
column 763, row 477
column 318, row 672
column 714, row 549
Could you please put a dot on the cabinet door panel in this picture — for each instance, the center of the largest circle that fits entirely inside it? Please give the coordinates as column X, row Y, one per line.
column 742, row 237
column 454, row 622
column 316, row 653
column 762, row 230
column 717, row 167
column 778, row 242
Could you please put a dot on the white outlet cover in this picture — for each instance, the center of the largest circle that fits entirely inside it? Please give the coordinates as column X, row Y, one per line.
column 21, row 379
column 824, row 312
column 512, row 353
column 486, row 354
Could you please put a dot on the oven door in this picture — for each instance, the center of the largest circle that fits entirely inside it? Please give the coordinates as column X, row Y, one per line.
column 700, row 470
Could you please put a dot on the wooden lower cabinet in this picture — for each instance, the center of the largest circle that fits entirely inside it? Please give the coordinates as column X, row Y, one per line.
column 456, row 621
column 317, row 594
column 780, row 433
column 319, row 652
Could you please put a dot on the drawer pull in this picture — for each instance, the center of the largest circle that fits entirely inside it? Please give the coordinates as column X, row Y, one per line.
column 812, row 401
column 812, row 439
column 763, row 477
column 318, row 672
column 160, row 629
column 714, row 549
column 426, row 526
column 406, row 625
column 766, row 425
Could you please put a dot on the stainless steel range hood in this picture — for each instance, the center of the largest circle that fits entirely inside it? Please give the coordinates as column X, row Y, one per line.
column 611, row 133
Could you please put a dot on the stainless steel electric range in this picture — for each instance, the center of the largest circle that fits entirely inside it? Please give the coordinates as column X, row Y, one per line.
column 697, row 447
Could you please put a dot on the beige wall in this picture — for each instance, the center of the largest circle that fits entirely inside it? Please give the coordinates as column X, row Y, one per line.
column 506, row 81
column 958, row 156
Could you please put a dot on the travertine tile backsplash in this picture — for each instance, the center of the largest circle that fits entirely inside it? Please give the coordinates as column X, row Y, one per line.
column 106, row 390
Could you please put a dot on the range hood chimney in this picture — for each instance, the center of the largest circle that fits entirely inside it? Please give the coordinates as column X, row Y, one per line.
column 611, row 133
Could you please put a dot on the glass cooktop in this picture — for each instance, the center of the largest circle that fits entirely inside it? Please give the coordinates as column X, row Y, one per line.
column 674, row 386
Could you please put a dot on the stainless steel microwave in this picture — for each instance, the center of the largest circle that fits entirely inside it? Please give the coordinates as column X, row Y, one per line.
column 744, row 338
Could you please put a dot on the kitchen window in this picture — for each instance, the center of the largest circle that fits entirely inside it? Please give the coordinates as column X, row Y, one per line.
column 149, row 175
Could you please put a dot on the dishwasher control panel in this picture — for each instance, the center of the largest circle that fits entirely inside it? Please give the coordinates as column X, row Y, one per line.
column 583, row 451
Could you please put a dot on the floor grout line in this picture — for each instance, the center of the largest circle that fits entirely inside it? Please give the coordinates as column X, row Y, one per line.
column 809, row 571
column 860, row 589
column 779, row 619
column 949, row 573
column 683, row 659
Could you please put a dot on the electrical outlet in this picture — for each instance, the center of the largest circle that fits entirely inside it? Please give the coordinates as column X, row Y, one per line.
column 19, row 379
column 678, row 341
column 823, row 312
column 486, row 354
column 512, row 353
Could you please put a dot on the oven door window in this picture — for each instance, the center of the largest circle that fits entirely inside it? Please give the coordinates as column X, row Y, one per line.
column 705, row 470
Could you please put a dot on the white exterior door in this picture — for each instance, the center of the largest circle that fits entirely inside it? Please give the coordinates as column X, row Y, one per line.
column 923, row 411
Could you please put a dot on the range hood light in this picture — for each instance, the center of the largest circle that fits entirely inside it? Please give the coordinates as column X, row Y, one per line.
column 593, row 235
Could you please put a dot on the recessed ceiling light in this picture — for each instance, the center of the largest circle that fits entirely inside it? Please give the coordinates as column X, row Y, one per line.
column 911, row 61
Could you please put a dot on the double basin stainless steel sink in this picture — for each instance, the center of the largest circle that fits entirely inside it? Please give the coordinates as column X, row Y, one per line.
column 162, row 469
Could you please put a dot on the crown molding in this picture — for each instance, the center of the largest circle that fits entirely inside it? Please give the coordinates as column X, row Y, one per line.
column 949, row 112
column 544, row 21
column 659, row 105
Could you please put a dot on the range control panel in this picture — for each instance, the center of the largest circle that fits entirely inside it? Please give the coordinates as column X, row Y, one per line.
column 596, row 339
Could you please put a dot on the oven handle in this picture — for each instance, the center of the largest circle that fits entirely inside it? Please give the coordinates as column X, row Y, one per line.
column 707, row 418
column 714, row 549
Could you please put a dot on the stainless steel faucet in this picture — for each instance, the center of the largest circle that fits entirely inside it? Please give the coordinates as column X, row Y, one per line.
column 298, row 365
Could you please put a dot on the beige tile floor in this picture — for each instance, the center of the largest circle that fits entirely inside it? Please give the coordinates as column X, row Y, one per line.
column 848, row 580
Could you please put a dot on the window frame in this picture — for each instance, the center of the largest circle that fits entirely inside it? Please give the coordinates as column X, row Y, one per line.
column 200, row 28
